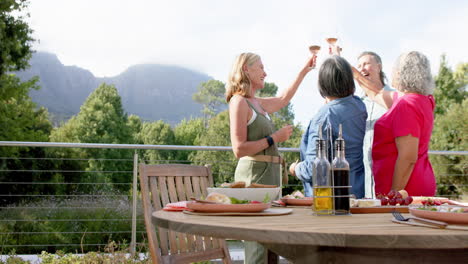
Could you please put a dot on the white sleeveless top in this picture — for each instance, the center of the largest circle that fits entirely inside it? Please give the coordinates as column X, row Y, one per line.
column 254, row 116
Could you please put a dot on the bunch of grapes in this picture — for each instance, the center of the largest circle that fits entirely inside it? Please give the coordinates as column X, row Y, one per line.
column 393, row 198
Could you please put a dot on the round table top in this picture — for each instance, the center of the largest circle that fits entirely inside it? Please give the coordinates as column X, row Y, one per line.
column 303, row 228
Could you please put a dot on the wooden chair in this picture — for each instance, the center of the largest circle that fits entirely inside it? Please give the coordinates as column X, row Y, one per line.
column 168, row 183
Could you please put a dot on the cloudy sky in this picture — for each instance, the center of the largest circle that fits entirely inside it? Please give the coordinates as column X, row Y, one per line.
column 108, row 36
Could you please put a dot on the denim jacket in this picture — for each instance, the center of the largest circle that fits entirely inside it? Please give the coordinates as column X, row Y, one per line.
column 351, row 112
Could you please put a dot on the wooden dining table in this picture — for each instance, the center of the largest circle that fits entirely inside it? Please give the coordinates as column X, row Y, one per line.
column 302, row 237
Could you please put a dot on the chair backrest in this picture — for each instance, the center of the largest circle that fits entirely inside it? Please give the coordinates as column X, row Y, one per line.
column 169, row 183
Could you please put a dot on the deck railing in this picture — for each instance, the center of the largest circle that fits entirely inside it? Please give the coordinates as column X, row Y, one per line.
column 91, row 211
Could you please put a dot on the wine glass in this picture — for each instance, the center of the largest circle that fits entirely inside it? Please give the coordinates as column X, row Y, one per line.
column 314, row 49
column 332, row 42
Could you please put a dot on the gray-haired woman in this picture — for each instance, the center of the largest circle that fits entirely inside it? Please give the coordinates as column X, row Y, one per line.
column 401, row 142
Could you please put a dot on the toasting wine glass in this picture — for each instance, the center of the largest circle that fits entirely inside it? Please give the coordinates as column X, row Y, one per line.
column 314, row 49
column 332, row 42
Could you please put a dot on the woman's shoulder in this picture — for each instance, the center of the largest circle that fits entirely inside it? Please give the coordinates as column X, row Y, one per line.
column 237, row 100
column 358, row 101
column 413, row 99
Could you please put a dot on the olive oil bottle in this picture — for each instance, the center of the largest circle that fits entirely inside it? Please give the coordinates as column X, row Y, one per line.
column 321, row 178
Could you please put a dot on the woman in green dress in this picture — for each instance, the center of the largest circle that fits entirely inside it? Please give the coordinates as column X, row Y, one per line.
column 253, row 136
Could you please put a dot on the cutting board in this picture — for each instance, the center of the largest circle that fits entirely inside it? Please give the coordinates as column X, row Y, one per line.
column 267, row 212
column 379, row 209
column 414, row 223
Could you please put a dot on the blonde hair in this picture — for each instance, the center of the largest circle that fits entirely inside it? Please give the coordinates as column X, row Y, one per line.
column 238, row 82
column 412, row 74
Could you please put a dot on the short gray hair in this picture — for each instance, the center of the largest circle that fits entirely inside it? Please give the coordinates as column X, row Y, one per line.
column 412, row 73
column 336, row 78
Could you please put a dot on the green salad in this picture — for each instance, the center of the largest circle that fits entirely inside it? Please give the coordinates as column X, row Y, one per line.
column 266, row 199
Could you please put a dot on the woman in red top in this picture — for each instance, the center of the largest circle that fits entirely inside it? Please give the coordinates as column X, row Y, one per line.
column 401, row 136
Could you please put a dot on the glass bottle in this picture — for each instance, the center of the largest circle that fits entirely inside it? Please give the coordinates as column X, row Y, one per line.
column 323, row 202
column 340, row 171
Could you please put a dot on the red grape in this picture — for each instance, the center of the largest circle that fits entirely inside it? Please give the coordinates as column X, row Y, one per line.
column 410, row 198
column 437, row 202
column 391, row 194
column 392, row 201
column 383, row 201
column 398, row 195
column 430, row 201
column 399, row 201
column 405, row 201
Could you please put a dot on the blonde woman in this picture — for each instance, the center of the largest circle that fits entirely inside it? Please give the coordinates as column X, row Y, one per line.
column 253, row 136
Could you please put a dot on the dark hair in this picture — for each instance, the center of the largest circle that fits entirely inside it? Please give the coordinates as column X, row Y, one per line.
column 336, row 78
column 378, row 60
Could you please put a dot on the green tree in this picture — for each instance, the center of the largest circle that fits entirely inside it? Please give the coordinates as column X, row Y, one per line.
column 223, row 162
column 211, row 95
column 134, row 124
column 157, row 133
column 450, row 86
column 101, row 120
column 450, row 133
column 15, row 36
column 187, row 133
column 450, row 128
column 20, row 118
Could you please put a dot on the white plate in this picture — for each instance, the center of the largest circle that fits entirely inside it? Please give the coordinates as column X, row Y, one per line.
column 449, row 217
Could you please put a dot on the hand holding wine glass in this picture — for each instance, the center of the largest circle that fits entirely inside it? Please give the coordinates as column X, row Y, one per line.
column 333, row 48
column 314, row 49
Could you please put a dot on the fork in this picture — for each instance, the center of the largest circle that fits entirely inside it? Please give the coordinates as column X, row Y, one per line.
column 400, row 217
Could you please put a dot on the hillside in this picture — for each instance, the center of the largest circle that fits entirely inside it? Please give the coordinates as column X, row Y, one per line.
column 151, row 91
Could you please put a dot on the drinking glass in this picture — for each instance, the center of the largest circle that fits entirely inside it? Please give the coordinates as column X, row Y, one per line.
column 314, row 49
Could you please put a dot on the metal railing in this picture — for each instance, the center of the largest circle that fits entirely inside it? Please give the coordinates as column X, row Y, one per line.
column 33, row 211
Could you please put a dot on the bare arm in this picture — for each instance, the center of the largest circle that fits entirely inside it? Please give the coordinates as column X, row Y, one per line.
column 274, row 104
column 373, row 90
column 239, row 114
column 407, row 156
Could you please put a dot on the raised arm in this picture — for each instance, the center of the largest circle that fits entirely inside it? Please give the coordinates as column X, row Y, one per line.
column 274, row 104
column 372, row 89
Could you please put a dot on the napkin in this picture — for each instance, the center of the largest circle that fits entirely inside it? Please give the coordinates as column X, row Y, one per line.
column 178, row 206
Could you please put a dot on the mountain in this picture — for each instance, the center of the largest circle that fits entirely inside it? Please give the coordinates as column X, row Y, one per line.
column 151, row 91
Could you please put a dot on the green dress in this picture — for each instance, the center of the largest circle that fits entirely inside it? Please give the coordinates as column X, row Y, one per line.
column 251, row 171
